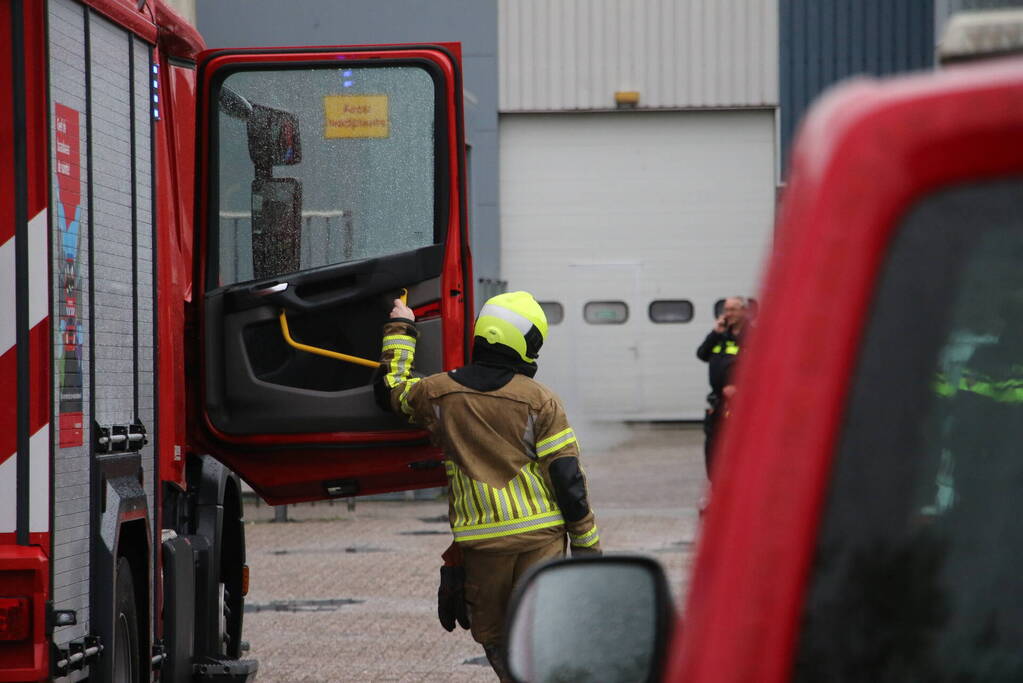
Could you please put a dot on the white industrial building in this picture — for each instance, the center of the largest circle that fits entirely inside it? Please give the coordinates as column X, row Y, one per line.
column 638, row 156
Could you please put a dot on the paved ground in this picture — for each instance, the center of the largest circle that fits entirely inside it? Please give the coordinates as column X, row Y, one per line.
column 364, row 581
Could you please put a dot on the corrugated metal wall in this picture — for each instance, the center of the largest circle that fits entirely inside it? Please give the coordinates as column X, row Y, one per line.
column 559, row 55
column 824, row 41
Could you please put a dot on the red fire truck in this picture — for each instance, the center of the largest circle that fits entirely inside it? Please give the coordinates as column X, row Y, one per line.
column 178, row 229
column 865, row 523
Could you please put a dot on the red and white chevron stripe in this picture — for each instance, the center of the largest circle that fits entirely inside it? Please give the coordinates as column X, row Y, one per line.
column 39, row 343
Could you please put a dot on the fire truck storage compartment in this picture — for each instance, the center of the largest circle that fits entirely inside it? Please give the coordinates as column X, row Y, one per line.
column 102, row 296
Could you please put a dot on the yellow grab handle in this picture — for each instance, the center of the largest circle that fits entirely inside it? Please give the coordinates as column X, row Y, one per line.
column 404, row 296
column 323, row 352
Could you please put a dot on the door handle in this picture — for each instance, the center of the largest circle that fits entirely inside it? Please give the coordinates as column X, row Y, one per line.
column 272, row 289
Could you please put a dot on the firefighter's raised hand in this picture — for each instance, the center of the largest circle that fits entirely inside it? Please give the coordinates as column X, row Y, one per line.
column 400, row 310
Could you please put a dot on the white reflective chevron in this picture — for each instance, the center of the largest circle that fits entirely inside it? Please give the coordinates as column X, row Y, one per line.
column 521, row 323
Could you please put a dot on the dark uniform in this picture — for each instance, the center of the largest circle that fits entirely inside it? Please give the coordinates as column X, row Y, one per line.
column 720, row 351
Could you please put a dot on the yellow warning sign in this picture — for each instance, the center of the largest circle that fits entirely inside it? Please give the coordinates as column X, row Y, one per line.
column 356, row 116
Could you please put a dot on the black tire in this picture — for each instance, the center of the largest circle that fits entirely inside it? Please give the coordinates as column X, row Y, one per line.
column 125, row 666
column 232, row 554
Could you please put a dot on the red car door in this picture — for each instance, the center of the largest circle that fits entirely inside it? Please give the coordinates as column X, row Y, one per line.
column 332, row 180
column 865, row 523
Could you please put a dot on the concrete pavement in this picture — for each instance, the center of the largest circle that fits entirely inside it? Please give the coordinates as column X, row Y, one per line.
column 350, row 595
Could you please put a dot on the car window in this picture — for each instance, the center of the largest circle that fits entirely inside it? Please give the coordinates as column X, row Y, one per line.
column 916, row 574
column 361, row 177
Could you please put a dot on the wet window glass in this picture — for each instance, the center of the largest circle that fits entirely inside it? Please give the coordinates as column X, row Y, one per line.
column 916, row 573
column 554, row 311
column 606, row 312
column 671, row 311
column 320, row 166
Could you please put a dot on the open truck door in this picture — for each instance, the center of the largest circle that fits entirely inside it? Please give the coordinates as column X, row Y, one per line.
column 332, row 181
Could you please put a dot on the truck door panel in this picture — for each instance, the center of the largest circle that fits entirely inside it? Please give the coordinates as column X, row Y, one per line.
column 266, row 386
column 333, row 183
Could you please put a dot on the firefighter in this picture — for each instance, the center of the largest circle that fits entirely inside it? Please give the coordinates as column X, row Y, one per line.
column 719, row 350
column 516, row 488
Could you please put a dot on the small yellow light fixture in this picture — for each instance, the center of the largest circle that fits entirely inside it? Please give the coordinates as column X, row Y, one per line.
column 626, row 99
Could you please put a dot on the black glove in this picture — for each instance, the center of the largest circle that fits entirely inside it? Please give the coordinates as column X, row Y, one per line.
column 451, row 605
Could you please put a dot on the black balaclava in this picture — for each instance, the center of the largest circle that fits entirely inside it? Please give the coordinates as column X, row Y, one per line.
column 492, row 366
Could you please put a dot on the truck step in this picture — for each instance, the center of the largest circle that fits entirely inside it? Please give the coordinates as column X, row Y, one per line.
column 225, row 670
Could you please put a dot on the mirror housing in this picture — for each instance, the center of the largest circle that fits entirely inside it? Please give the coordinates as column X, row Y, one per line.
column 274, row 139
column 276, row 227
column 605, row 619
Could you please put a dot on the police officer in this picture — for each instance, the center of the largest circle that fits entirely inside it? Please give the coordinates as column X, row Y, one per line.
column 515, row 484
column 719, row 350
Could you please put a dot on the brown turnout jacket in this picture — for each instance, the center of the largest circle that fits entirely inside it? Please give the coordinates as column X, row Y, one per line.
column 499, row 449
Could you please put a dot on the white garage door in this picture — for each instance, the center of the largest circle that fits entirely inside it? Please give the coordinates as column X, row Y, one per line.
column 605, row 214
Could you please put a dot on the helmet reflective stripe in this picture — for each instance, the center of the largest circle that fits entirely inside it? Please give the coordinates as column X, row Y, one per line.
column 521, row 323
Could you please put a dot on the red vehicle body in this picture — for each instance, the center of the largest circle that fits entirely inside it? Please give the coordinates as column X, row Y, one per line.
column 867, row 156
column 148, row 245
column 864, row 524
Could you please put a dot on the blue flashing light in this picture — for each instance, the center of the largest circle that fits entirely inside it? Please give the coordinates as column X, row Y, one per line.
column 348, row 84
column 347, row 73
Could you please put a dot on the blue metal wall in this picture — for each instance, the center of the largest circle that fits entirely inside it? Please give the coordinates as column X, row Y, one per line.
column 824, row 41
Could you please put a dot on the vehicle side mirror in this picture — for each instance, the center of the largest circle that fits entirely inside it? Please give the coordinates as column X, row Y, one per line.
column 605, row 619
column 276, row 227
column 274, row 139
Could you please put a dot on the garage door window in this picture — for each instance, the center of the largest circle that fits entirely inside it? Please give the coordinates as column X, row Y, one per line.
column 554, row 311
column 671, row 311
column 606, row 312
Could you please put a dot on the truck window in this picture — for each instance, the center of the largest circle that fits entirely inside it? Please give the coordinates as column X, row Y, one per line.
column 363, row 164
column 916, row 573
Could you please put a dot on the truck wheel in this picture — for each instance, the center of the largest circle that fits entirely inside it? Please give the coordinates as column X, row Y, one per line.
column 126, row 627
column 231, row 600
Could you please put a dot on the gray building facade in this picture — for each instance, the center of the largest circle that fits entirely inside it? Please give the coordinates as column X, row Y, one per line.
column 473, row 23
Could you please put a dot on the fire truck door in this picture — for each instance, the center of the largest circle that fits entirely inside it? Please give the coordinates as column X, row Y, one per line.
column 332, row 184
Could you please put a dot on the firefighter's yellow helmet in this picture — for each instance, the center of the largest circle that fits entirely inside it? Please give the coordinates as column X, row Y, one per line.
column 513, row 319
